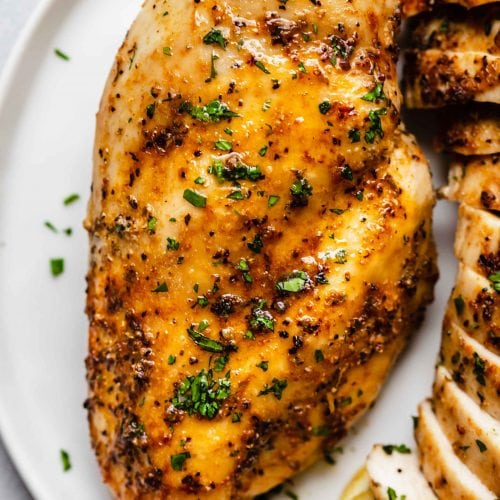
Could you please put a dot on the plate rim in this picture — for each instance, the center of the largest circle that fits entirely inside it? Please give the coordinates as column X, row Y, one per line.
column 8, row 76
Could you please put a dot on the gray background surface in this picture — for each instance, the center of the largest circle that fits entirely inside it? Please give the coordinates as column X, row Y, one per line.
column 13, row 17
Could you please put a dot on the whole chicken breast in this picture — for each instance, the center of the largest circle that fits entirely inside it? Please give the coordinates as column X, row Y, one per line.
column 260, row 242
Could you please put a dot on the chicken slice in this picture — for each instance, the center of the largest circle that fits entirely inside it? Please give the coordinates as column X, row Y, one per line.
column 458, row 30
column 435, row 78
column 446, row 473
column 475, row 181
column 394, row 470
column 473, row 433
column 474, row 368
column 471, row 132
column 414, row 7
column 477, row 239
column 260, row 242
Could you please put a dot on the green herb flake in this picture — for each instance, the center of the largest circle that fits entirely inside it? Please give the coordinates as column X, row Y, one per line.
column 263, row 365
column 199, row 180
column 459, row 304
column 257, row 244
column 213, row 112
column 177, row 461
column 220, row 363
column 236, row 195
column 324, row 107
column 201, row 394
column 236, row 418
column 375, row 125
column 202, row 301
column 172, row 244
column 272, row 200
column 401, row 448
column 150, row 110
column 68, row 231
column 482, row 447
column 171, row 359
column 495, row 279
column 161, row 288
column 479, row 368
column 391, row 493
column 354, row 135
column 167, row 51
column 261, row 320
column 296, row 282
column 375, row 94
column 342, row 403
column 65, row 460
column 301, row 190
column 72, row 198
column 223, row 145
column 261, row 66
column 62, row 55
column 57, row 266
column 206, row 343
column 196, row 199
column 319, row 356
column 152, row 224
column 50, row 226
column 215, row 37
column 263, row 150
column 346, row 172
column 320, row 430
column 276, row 388
column 302, row 68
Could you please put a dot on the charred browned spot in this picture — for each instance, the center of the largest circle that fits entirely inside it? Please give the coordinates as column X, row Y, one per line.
column 490, row 263
column 488, row 199
column 161, row 140
column 283, row 31
column 226, row 305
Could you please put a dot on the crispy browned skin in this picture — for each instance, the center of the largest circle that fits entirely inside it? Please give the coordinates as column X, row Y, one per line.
column 307, row 297
column 413, row 7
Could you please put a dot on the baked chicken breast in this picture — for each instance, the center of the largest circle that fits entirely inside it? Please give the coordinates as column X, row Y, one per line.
column 260, row 241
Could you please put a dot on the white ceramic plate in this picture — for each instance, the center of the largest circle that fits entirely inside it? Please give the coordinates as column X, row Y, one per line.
column 47, row 108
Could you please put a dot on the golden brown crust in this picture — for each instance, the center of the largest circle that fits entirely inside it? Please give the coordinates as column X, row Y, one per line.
column 414, row 7
column 471, row 131
column 260, row 228
column 435, row 78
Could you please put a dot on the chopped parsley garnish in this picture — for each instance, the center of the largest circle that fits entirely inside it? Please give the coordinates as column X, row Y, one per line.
column 375, row 125
column 213, row 71
column 301, row 190
column 324, row 107
column 161, row 288
column 177, row 461
column 276, row 388
column 261, row 320
column 261, row 66
column 236, row 195
column 223, row 145
column 206, row 343
column 495, row 279
column 482, row 447
column 376, row 94
column 236, row 418
column 214, row 111
column 342, row 403
column 171, row 359
column 201, row 394
column 68, row 231
column 196, row 199
column 391, row 493
column 354, row 135
column 57, row 266
column 263, row 150
column 302, row 68
column 152, row 224
column 51, row 226
column 215, row 36
column 59, row 53
column 263, row 365
column 320, row 430
column 199, row 180
column 71, row 199
column 339, row 256
column 272, row 200
column 220, row 363
column 202, row 301
column 296, row 282
column 401, row 448
column 238, row 172
column 65, row 460
column 172, row 244
column 257, row 244
column 319, row 356
column 459, row 304
column 346, row 172
column 167, row 51
column 479, row 368
column 150, row 110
